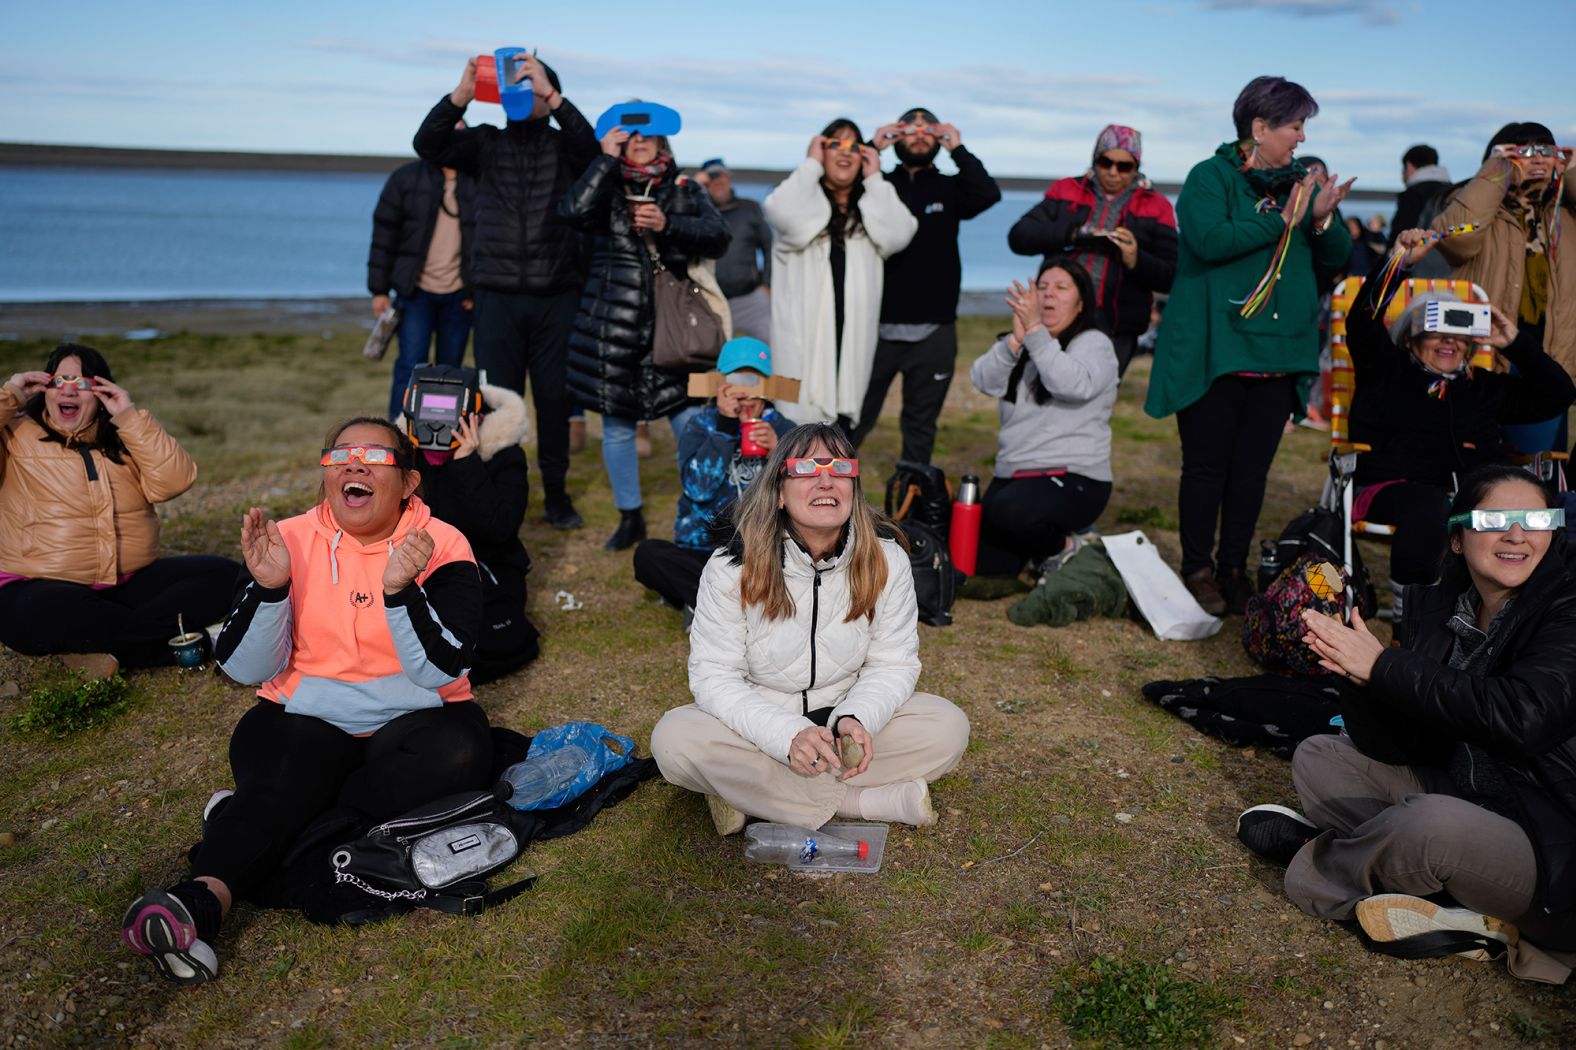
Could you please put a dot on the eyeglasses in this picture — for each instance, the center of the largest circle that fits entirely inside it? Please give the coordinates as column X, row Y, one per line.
column 1123, row 166
column 1501, row 520
column 371, row 455
column 809, row 467
column 80, row 382
column 842, row 145
column 1540, row 149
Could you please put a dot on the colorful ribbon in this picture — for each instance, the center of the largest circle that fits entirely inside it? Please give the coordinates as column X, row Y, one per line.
column 1257, row 299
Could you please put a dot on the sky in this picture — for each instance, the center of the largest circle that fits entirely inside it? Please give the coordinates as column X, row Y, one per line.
column 1029, row 86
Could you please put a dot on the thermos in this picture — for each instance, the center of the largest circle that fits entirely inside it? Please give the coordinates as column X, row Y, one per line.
column 964, row 536
column 748, row 446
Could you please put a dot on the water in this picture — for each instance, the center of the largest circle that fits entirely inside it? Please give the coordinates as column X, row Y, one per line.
column 90, row 234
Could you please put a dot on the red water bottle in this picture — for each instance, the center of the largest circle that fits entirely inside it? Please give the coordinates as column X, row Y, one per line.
column 748, row 446
column 963, row 539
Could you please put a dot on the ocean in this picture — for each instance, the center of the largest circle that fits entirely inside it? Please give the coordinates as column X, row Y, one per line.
column 107, row 234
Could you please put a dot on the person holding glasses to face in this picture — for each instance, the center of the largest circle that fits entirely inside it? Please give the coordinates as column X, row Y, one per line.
column 1516, row 202
column 1123, row 233
column 1458, row 779
column 81, row 469
column 804, row 655
column 358, row 622
column 836, row 221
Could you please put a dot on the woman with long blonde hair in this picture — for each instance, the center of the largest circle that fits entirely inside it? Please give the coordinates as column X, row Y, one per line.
column 804, row 654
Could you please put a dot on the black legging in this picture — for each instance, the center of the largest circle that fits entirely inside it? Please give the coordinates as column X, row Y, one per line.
column 134, row 621
column 1027, row 519
column 1229, row 437
column 670, row 570
column 290, row 768
column 1419, row 513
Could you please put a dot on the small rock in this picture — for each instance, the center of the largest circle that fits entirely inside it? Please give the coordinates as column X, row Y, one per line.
column 1124, row 818
column 1301, row 1039
column 1190, row 966
column 51, row 822
column 10, row 690
column 7, row 838
column 1420, row 981
column 1178, row 759
column 1380, row 1044
column 1329, row 1005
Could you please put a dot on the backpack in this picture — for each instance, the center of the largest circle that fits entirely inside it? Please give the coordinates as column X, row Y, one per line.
column 919, row 492
column 1272, row 626
column 935, row 579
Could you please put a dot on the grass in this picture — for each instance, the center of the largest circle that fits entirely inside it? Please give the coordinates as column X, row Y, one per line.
column 646, row 929
column 1132, row 1003
column 68, row 703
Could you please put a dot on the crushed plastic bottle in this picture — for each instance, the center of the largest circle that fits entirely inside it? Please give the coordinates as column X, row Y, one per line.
column 796, row 846
column 538, row 780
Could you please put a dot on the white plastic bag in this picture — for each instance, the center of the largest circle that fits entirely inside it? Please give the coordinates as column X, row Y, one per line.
column 1158, row 592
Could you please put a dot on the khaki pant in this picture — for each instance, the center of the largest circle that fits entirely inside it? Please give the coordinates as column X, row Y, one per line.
column 923, row 740
column 1401, row 829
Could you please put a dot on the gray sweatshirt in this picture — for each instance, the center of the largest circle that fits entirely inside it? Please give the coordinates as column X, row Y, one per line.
column 1072, row 430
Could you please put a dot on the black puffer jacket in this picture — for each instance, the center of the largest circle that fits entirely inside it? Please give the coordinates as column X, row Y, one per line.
column 1523, row 711
column 522, row 172
column 402, row 225
column 610, row 369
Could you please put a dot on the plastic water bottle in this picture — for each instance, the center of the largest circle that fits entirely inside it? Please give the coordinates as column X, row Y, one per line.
column 537, row 780
column 787, row 844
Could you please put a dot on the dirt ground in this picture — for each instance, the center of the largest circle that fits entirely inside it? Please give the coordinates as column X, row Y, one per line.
column 1083, row 823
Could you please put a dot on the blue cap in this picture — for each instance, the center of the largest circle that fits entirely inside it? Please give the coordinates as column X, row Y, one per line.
column 714, row 164
column 745, row 352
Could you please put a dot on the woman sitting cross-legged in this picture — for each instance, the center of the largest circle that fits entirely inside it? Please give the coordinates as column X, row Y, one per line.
column 1056, row 376
column 1459, row 777
column 359, row 623
column 805, row 641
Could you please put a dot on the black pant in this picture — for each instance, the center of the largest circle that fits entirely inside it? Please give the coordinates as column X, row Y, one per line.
column 1229, row 437
column 927, row 368
column 1125, row 346
column 133, row 621
column 290, row 768
column 1028, row 519
column 516, row 333
column 670, row 570
column 1418, row 512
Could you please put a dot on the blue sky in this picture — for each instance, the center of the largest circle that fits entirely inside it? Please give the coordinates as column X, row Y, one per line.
column 1029, row 85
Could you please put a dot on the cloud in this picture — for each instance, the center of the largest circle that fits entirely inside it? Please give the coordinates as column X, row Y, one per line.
column 1372, row 12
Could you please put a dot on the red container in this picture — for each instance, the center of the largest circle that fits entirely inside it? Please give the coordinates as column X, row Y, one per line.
column 963, row 539
column 748, row 446
column 487, row 79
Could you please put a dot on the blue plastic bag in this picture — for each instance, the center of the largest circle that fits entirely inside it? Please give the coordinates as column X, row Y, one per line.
column 606, row 752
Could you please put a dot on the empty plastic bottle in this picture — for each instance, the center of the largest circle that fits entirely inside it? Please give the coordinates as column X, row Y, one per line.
column 537, row 781
column 787, row 844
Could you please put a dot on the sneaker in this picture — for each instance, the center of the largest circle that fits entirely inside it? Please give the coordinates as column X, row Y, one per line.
column 159, row 925
column 1054, row 563
column 1201, row 585
column 216, row 802
column 726, row 819
column 561, row 514
column 1274, row 832
column 1414, row 928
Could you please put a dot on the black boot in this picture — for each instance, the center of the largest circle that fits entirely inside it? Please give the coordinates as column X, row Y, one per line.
column 560, row 512
column 1235, row 588
column 631, row 530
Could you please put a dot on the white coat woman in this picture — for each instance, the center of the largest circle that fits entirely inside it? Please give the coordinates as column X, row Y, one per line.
column 836, row 222
column 806, row 643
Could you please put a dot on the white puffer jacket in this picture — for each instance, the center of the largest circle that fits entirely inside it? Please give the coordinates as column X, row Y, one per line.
column 761, row 677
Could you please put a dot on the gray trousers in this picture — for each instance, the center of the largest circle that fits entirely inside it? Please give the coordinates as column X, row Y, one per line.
column 1402, row 829
column 752, row 315
column 923, row 739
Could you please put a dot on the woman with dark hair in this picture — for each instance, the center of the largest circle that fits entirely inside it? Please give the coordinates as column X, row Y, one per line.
column 359, row 624
column 1241, row 326
column 1112, row 225
column 1459, row 777
column 81, row 469
column 1056, row 376
column 836, row 222
column 638, row 210
column 1518, row 202
column 804, row 654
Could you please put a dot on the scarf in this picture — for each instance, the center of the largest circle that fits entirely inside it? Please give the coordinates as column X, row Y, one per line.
column 647, row 173
column 1527, row 208
column 1442, row 380
column 1272, row 184
column 1105, row 215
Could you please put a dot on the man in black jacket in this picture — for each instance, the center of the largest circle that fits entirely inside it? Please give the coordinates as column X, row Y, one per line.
column 1427, row 185
column 424, row 221
column 919, row 303
column 526, row 263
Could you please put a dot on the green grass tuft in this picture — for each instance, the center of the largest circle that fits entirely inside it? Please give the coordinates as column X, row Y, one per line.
column 1132, row 1003
column 69, row 702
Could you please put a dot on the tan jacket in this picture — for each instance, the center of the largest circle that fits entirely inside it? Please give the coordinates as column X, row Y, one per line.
column 67, row 513
column 1494, row 255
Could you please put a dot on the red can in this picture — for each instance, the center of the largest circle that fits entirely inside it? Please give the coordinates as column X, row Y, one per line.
column 487, row 79
column 748, row 446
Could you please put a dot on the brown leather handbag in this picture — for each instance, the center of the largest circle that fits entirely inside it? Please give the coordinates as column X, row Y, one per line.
column 688, row 333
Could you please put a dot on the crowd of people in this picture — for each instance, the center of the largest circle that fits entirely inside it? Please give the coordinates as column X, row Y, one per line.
column 365, row 621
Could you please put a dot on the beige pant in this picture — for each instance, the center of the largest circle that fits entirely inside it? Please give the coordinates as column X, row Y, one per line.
column 923, row 740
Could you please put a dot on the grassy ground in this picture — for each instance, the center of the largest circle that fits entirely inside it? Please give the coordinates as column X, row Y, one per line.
column 1083, row 884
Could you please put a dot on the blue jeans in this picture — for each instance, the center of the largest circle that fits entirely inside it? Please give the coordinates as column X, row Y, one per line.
column 618, row 454
column 422, row 315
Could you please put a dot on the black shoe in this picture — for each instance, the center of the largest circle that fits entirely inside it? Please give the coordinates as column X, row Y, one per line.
column 1235, row 588
column 631, row 530
column 1274, row 832
column 561, row 514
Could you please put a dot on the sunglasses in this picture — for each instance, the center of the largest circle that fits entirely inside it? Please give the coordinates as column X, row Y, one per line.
column 1502, row 520
column 809, row 467
column 1123, row 166
column 80, row 382
column 371, row 455
column 841, row 145
column 1535, row 150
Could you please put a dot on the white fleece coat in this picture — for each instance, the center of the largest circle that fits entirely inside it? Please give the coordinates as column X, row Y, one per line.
column 755, row 675
column 804, row 312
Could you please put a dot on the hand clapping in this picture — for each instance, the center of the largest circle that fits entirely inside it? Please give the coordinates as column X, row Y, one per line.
column 407, row 561
column 267, row 557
